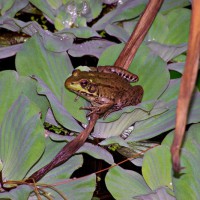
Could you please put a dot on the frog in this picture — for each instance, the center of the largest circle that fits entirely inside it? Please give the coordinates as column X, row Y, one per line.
column 107, row 88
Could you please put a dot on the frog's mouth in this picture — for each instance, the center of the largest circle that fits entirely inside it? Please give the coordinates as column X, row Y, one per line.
column 82, row 94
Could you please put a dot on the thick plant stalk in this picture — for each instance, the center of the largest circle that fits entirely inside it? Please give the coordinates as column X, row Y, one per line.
column 187, row 84
column 67, row 151
column 126, row 56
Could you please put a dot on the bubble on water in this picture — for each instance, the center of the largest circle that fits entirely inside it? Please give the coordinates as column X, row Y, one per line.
column 85, row 8
column 67, row 23
column 120, row 2
column 71, row 8
column 75, row 9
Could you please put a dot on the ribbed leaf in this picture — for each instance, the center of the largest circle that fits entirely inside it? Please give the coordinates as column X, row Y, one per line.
column 94, row 47
column 11, row 7
column 156, row 168
column 21, row 192
column 128, row 10
column 116, row 128
column 64, row 171
column 159, row 194
column 45, row 8
column 167, row 52
column 60, row 112
column 166, row 121
column 12, row 85
column 21, row 139
column 174, row 27
column 186, row 184
column 9, row 51
column 96, row 152
column 76, row 189
column 125, row 184
column 179, row 67
column 59, row 177
column 53, row 69
column 51, row 149
column 81, row 32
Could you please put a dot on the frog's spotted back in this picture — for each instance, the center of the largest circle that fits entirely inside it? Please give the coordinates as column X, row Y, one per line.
column 119, row 71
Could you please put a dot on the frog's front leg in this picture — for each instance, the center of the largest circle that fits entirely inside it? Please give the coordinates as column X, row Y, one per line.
column 99, row 107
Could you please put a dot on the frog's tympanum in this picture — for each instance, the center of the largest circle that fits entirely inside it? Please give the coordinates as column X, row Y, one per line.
column 106, row 87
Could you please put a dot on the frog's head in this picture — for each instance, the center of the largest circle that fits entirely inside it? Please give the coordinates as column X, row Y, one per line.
column 82, row 83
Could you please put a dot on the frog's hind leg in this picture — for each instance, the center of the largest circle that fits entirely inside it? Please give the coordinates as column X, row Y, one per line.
column 137, row 92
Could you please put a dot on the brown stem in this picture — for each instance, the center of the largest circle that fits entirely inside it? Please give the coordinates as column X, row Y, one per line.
column 126, row 56
column 67, row 151
column 187, row 84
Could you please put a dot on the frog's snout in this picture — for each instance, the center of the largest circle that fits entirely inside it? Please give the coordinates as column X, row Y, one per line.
column 68, row 83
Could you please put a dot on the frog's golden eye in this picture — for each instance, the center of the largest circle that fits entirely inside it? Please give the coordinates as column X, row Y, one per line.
column 84, row 83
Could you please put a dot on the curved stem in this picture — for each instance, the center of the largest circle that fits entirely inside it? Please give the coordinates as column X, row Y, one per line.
column 67, row 151
column 126, row 56
column 187, row 84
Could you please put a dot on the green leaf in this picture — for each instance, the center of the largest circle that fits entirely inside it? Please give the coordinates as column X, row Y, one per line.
column 21, row 139
column 63, row 20
column 82, row 188
column 51, row 150
column 44, row 7
column 81, row 32
column 63, row 171
column 11, row 7
column 96, row 152
column 5, row 5
column 58, row 141
column 53, row 68
column 77, row 188
column 117, row 127
column 59, row 111
column 174, row 27
column 21, row 192
column 128, row 10
column 1, row 166
column 159, row 194
column 114, row 140
column 186, row 183
column 171, row 4
column 167, row 52
column 59, row 177
column 96, row 7
column 12, row 85
column 125, row 184
column 156, row 125
column 156, row 168
column 54, row 4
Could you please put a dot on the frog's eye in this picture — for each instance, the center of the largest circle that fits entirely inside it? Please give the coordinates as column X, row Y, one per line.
column 84, row 83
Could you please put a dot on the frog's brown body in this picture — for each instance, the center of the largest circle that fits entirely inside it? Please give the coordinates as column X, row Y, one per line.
column 108, row 89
